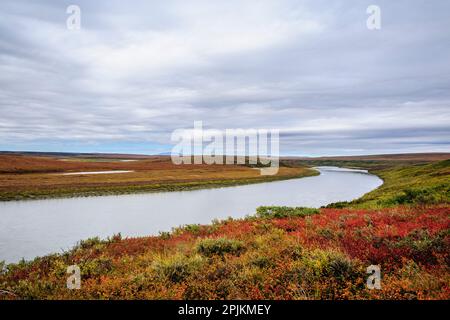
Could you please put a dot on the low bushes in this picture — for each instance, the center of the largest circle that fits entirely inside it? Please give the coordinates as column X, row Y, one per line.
column 285, row 212
column 320, row 263
column 96, row 267
column 176, row 267
column 422, row 196
column 220, row 246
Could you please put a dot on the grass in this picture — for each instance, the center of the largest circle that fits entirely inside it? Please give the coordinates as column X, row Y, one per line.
column 407, row 185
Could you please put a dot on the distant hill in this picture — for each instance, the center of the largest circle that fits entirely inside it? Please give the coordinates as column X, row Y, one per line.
column 78, row 155
column 432, row 156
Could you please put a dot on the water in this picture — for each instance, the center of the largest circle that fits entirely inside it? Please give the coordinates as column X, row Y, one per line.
column 39, row 227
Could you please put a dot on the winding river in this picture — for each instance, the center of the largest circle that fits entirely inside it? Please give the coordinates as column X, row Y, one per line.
column 39, row 227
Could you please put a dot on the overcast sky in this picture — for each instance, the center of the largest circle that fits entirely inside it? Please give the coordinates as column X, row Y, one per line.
column 138, row 70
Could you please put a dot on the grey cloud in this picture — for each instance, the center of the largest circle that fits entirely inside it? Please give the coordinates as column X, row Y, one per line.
column 135, row 72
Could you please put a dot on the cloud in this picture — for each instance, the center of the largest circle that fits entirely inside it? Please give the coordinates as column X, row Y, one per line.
column 136, row 72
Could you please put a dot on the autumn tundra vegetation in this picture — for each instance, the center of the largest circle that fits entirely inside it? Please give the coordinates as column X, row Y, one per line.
column 277, row 253
column 24, row 177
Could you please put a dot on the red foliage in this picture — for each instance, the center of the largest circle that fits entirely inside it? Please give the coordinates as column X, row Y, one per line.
column 376, row 236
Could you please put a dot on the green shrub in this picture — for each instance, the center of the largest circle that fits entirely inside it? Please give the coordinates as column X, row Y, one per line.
column 337, row 205
column 416, row 196
column 284, row 212
column 89, row 243
column 220, row 246
column 177, row 267
column 165, row 235
column 326, row 233
column 294, row 252
column 195, row 229
column 3, row 268
column 192, row 228
column 321, row 264
column 422, row 244
column 96, row 267
column 114, row 238
column 261, row 261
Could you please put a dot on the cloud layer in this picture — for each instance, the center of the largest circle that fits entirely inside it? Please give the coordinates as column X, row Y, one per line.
column 135, row 72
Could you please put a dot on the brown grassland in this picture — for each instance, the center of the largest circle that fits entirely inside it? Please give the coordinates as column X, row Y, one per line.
column 31, row 177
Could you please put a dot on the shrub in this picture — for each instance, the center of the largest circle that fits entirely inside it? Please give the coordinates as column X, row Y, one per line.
column 176, row 267
column 421, row 196
column 220, row 246
column 89, row 243
column 2, row 267
column 261, row 261
column 96, row 267
column 318, row 264
column 326, row 233
column 293, row 252
column 284, row 212
column 337, row 205
column 422, row 245
column 164, row 235
column 114, row 238
column 192, row 228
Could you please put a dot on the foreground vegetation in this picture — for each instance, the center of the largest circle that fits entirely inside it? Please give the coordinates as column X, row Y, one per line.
column 303, row 254
column 279, row 253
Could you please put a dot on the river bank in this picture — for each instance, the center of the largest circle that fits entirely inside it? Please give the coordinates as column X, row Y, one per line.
column 30, row 178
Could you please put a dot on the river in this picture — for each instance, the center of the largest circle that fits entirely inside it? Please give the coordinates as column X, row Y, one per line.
column 39, row 227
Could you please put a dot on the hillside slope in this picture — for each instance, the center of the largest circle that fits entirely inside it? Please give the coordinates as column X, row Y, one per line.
column 407, row 185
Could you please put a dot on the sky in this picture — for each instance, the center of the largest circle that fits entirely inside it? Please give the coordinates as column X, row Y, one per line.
column 136, row 71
